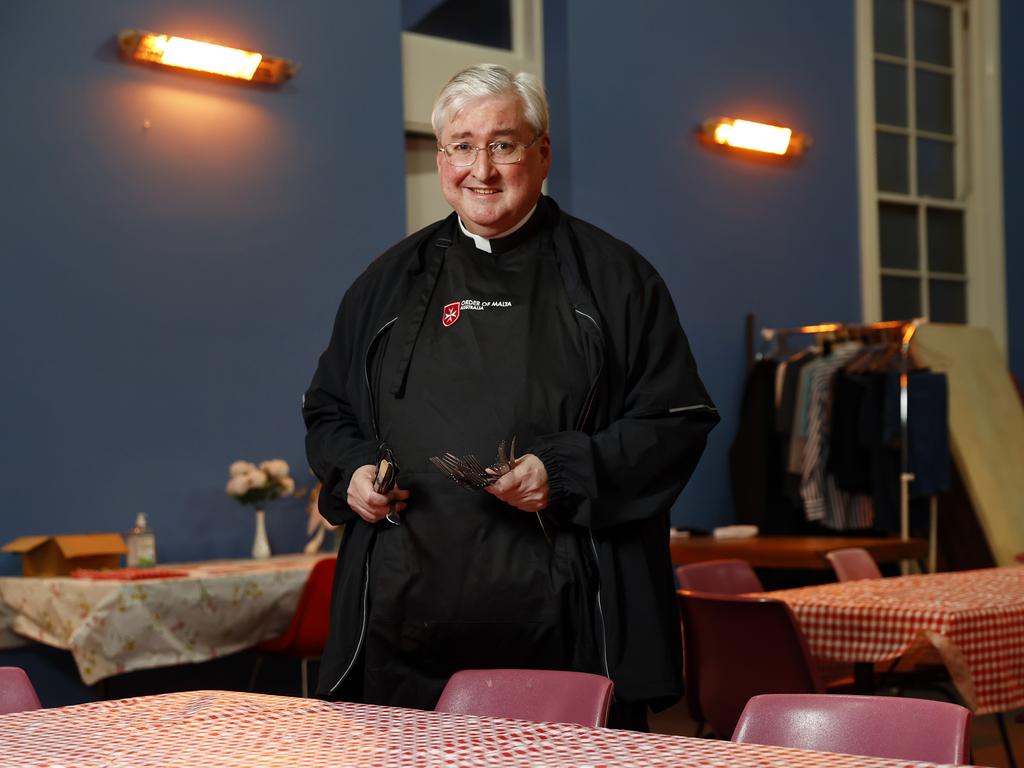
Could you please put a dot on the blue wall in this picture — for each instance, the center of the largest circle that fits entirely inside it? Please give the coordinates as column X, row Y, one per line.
column 167, row 290
column 729, row 236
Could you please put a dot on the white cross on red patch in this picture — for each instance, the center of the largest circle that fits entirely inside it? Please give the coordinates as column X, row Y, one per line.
column 450, row 314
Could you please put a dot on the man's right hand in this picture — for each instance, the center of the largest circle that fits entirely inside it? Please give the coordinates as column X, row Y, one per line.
column 367, row 503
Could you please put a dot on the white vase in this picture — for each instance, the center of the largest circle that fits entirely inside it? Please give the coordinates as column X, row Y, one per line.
column 260, row 543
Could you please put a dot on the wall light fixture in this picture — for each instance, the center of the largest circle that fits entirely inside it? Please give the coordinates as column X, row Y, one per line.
column 171, row 51
column 757, row 137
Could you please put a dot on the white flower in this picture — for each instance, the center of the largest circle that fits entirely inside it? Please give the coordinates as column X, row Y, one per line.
column 287, row 485
column 257, row 478
column 241, row 468
column 276, row 468
column 238, row 485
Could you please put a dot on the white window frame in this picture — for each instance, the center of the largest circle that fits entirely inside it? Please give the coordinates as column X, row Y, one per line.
column 979, row 167
column 428, row 62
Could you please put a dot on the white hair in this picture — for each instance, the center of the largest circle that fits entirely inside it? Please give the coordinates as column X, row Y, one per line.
column 490, row 80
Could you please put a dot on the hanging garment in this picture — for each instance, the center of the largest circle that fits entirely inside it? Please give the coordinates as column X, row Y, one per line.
column 787, row 397
column 823, row 500
column 756, row 466
column 786, row 423
column 928, row 457
column 801, row 416
column 849, row 459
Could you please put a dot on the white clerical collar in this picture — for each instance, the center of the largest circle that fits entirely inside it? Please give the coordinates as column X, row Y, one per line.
column 484, row 244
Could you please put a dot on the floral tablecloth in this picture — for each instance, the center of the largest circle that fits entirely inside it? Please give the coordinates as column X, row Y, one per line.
column 110, row 627
column 974, row 619
column 200, row 729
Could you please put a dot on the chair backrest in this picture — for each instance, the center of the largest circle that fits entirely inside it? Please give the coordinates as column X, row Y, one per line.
column 853, row 563
column 737, row 647
column 877, row 726
column 723, row 577
column 16, row 691
column 307, row 632
column 529, row 694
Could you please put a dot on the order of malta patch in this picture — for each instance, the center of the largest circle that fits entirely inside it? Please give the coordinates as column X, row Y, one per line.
column 450, row 314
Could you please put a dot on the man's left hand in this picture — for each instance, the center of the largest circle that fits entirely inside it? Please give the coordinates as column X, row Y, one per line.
column 525, row 487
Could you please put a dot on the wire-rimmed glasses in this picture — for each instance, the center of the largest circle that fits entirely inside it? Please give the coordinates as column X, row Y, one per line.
column 501, row 152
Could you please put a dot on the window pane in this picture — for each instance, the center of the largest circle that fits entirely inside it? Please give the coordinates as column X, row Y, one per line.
column 932, row 40
column 890, row 27
column 901, row 298
column 947, row 300
column 945, row 241
column 934, row 102
column 482, row 22
column 897, row 235
column 892, row 162
column 934, row 168
column 890, row 93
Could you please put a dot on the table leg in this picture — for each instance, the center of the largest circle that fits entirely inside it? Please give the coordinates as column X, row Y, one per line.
column 1006, row 739
column 864, row 677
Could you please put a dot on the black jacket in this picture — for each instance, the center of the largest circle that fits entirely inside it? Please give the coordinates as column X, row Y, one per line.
column 615, row 477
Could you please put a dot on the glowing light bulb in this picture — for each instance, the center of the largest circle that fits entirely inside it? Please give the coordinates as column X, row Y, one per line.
column 183, row 53
column 751, row 135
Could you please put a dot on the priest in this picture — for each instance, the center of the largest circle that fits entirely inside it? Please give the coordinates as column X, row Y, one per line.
column 509, row 319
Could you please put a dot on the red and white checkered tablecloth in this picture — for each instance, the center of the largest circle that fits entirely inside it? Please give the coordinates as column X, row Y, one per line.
column 220, row 729
column 975, row 619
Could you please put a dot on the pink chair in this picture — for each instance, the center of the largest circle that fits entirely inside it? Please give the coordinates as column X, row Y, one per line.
column 853, row 564
column 722, row 577
column 16, row 691
column 718, row 577
column 529, row 694
column 875, row 726
column 736, row 647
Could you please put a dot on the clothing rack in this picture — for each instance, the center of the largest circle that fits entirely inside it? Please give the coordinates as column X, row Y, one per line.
column 906, row 330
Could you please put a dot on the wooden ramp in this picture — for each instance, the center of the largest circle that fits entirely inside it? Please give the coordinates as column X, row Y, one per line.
column 986, row 423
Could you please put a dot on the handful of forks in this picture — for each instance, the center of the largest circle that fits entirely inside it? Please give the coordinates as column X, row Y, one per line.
column 468, row 472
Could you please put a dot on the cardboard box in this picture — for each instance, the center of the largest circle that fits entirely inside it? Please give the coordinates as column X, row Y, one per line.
column 60, row 555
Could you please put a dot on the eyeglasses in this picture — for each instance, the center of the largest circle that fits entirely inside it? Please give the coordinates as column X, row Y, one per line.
column 462, row 153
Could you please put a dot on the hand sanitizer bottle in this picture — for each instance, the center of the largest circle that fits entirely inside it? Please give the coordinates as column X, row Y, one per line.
column 141, row 544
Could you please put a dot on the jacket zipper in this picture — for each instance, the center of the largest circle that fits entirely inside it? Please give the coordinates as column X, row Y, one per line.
column 592, row 393
column 584, row 413
column 366, row 567
column 362, row 629
column 600, row 609
column 366, row 374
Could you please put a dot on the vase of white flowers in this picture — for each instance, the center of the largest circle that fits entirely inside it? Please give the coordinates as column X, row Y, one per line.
column 254, row 486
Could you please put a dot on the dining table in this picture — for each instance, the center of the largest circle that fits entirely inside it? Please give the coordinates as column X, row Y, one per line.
column 124, row 620
column 973, row 619
column 227, row 729
column 791, row 552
